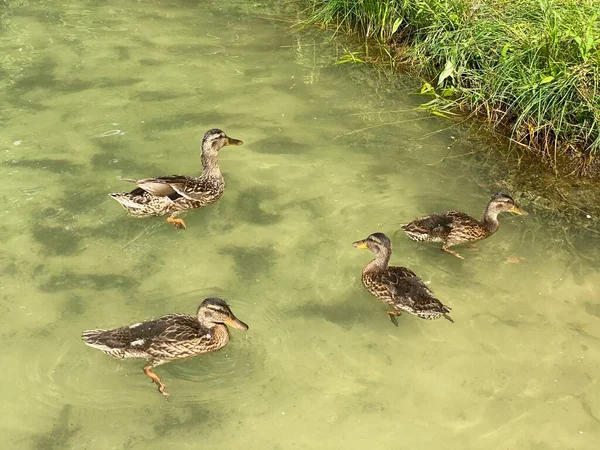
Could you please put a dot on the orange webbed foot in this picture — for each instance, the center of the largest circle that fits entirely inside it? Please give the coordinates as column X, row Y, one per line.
column 452, row 252
column 393, row 315
column 162, row 388
column 177, row 223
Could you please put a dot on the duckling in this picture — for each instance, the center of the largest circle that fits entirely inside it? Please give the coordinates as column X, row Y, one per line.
column 454, row 227
column 169, row 338
column 399, row 287
column 173, row 194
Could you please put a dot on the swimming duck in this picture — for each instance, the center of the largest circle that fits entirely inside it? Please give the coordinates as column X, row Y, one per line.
column 454, row 227
column 399, row 287
column 170, row 337
column 173, row 194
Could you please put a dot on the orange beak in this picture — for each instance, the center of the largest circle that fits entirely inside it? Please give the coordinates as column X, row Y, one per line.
column 516, row 210
column 360, row 244
column 236, row 323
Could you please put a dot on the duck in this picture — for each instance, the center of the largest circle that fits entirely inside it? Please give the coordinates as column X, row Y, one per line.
column 173, row 194
column 398, row 287
column 169, row 338
column 455, row 227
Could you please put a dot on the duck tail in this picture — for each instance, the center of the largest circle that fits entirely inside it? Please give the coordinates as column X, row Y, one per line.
column 129, row 180
column 95, row 339
column 130, row 200
column 445, row 310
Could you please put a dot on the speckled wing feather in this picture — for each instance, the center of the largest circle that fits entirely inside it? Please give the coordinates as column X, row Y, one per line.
column 460, row 219
column 433, row 228
column 165, row 186
column 442, row 227
column 411, row 294
column 122, row 338
column 464, row 229
column 401, row 272
column 201, row 190
column 405, row 286
column 144, row 336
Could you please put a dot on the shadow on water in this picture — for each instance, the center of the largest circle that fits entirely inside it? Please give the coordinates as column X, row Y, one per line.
column 74, row 306
column 76, row 201
column 248, row 206
column 277, row 144
column 69, row 280
column 56, row 241
column 123, row 52
column 343, row 310
column 152, row 62
column 251, row 263
column 191, row 417
column 106, row 82
column 61, row 433
column 156, row 96
column 314, row 208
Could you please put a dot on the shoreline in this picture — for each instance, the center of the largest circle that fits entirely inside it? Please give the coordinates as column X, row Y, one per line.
column 495, row 63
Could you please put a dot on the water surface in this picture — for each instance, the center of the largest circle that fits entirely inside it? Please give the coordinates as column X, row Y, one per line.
column 96, row 90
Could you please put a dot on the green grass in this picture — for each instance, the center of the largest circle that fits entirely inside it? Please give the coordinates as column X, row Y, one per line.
column 528, row 66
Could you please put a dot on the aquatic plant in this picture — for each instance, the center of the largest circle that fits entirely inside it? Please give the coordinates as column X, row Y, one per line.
column 531, row 67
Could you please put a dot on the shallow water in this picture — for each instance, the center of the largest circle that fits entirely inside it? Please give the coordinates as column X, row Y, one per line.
column 332, row 153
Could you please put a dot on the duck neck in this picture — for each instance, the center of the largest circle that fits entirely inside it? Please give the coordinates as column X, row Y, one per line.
column 210, row 164
column 490, row 219
column 380, row 263
column 220, row 335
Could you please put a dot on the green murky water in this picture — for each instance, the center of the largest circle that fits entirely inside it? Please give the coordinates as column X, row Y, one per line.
column 94, row 90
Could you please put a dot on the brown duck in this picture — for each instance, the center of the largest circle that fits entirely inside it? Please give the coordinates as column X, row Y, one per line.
column 169, row 338
column 399, row 287
column 454, row 227
column 173, row 194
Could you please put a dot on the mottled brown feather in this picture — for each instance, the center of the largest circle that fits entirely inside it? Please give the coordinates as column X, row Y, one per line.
column 455, row 227
column 172, row 194
column 397, row 286
column 170, row 337
column 403, row 290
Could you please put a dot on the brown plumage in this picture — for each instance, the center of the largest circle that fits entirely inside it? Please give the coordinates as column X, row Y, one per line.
column 170, row 337
column 173, row 194
column 399, row 287
column 454, row 227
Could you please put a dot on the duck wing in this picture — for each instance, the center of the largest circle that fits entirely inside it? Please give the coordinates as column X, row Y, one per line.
column 197, row 189
column 144, row 336
column 435, row 228
column 460, row 219
column 404, row 285
column 166, row 186
column 408, row 291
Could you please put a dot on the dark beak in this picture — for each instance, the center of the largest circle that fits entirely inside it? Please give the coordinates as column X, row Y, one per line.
column 232, row 141
column 236, row 323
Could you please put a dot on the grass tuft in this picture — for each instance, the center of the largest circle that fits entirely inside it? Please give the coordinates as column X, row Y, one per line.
column 530, row 65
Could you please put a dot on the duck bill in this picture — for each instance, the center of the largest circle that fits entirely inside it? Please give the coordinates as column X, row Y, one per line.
column 232, row 141
column 360, row 244
column 516, row 210
column 236, row 323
